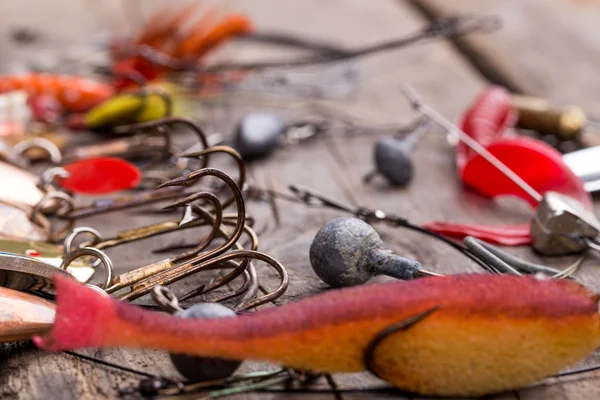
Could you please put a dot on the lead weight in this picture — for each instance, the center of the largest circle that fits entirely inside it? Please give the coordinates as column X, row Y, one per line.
column 349, row 252
column 259, row 134
column 201, row 369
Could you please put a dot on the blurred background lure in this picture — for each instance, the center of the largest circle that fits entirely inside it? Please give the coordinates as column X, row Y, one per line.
column 168, row 42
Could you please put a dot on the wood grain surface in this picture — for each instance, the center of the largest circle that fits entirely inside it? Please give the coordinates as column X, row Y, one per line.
column 531, row 53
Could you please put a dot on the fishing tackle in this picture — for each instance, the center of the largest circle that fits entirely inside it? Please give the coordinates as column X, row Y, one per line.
column 35, row 198
column 196, row 369
column 26, row 271
column 163, row 126
column 90, row 176
column 27, row 267
column 153, row 59
column 409, row 333
column 506, row 181
column 47, row 253
column 583, row 164
column 94, row 176
column 23, row 315
column 442, row 28
column 24, row 186
column 33, row 274
column 94, row 169
column 127, row 108
column 45, row 108
column 16, row 223
column 348, row 252
column 162, row 46
column 74, row 93
column 33, row 201
column 21, row 151
column 142, row 280
column 98, row 176
column 392, row 155
column 485, row 255
column 484, row 125
column 538, row 115
column 562, row 225
column 259, row 134
column 506, row 263
column 153, row 146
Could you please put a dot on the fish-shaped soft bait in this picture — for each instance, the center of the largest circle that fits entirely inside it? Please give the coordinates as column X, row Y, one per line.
column 476, row 334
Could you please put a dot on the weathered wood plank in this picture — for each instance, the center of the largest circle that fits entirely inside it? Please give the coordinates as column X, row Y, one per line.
column 333, row 167
column 545, row 48
column 312, row 164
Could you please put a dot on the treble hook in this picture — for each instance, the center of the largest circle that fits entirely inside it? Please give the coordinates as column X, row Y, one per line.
column 142, row 280
column 165, row 123
column 216, row 256
column 137, row 277
column 144, row 232
column 62, row 204
column 227, row 150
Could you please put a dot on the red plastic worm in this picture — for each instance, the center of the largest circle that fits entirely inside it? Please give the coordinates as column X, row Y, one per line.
column 74, row 93
column 490, row 115
column 488, row 121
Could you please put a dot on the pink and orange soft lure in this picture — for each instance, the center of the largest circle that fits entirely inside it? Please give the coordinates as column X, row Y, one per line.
column 478, row 333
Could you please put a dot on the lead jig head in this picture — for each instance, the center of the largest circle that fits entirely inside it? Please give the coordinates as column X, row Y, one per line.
column 259, row 134
column 202, row 369
column 393, row 155
column 348, row 252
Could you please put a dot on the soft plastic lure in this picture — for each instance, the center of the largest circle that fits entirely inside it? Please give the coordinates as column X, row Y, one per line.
column 127, row 108
column 163, row 46
column 74, row 93
column 488, row 121
column 456, row 335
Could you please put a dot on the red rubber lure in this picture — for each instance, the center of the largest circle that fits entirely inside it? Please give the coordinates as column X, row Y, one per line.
column 99, row 176
column 488, row 121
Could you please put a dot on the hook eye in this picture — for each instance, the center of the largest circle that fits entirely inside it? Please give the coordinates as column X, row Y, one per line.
column 97, row 289
column 96, row 238
column 65, row 205
column 49, row 176
column 38, row 143
column 90, row 251
column 166, row 299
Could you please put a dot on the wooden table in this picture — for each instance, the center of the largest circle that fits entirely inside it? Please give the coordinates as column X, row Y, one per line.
column 546, row 48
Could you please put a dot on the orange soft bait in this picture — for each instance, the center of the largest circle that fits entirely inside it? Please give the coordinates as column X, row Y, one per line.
column 72, row 92
column 479, row 334
column 168, row 42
